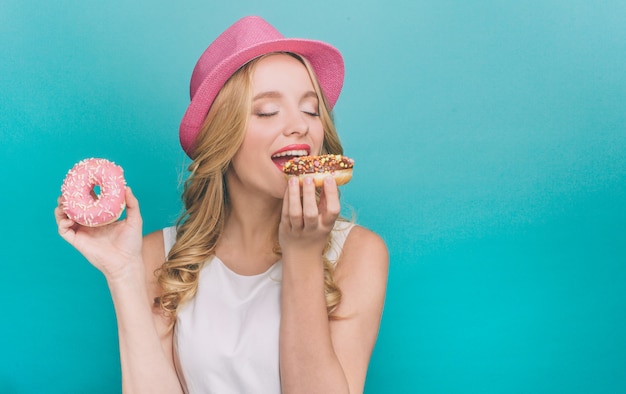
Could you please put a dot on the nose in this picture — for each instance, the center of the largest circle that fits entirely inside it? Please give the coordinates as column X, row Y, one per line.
column 297, row 123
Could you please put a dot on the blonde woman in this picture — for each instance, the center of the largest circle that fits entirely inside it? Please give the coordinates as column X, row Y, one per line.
column 260, row 287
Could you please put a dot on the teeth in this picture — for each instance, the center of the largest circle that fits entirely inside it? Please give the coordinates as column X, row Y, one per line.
column 300, row 152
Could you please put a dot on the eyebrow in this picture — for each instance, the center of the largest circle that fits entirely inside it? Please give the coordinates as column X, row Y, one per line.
column 275, row 94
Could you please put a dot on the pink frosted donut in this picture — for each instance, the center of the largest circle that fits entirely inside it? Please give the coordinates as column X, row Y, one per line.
column 83, row 203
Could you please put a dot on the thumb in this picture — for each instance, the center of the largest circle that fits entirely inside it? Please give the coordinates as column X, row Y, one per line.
column 133, row 214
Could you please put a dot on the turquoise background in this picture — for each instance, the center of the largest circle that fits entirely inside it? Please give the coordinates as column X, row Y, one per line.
column 490, row 141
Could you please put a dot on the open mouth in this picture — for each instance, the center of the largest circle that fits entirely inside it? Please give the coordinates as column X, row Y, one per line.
column 281, row 158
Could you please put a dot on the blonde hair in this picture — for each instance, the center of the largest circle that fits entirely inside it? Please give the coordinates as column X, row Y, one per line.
column 205, row 194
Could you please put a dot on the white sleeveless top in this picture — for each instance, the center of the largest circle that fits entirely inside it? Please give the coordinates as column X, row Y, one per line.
column 226, row 337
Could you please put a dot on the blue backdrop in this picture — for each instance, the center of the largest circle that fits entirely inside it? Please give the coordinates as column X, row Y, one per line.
column 490, row 142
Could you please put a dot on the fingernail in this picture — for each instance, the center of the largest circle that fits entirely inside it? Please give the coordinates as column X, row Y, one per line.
column 308, row 180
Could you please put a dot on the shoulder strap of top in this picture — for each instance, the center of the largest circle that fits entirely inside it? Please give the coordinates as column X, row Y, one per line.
column 338, row 238
column 169, row 237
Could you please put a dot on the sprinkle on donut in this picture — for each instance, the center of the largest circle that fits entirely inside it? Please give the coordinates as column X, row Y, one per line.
column 319, row 167
column 79, row 196
column 317, row 164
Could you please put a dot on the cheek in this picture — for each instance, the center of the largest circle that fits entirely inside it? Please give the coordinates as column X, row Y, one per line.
column 251, row 141
column 317, row 137
column 251, row 150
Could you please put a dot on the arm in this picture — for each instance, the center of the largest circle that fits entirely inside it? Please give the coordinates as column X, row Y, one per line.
column 361, row 275
column 318, row 355
column 145, row 342
column 118, row 252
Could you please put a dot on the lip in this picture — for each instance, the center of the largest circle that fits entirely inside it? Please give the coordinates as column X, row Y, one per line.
column 305, row 147
column 281, row 161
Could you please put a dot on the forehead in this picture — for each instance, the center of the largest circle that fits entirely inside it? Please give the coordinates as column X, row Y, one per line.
column 280, row 71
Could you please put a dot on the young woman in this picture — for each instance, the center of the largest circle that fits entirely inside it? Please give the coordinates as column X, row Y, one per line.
column 260, row 287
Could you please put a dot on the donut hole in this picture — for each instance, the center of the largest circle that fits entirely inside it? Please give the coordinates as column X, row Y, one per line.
column 95, row 192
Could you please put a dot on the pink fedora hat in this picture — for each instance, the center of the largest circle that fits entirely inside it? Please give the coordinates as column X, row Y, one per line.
column 246, row 39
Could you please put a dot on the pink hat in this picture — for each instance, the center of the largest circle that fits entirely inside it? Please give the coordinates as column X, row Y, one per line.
column 246, row 39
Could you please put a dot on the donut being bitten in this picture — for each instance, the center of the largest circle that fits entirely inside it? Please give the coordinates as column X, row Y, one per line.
column 319, row 167
column 83, row 203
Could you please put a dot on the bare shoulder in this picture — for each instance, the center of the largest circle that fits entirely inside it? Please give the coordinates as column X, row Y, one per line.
column 153, row 251
column 154, row 257
column 361, row 274
column 362, row 270
column 364, row 250
column 362, row 237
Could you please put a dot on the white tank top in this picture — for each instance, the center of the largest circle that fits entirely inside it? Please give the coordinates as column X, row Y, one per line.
column 226, row 337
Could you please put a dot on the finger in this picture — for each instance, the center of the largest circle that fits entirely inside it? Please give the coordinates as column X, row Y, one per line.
column 309, row 203
column 65, row 225
column 133, row 214
column 294, row 204
column 285, row 207
column 330, row 202
column 59, row 214
column 66, row 228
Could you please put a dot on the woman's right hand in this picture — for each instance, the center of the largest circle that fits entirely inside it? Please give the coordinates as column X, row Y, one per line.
column 114, row 249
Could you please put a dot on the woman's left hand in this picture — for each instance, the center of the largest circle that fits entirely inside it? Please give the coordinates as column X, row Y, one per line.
column 305, row 223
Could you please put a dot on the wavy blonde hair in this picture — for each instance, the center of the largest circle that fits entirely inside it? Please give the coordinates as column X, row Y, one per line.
column 205, row 194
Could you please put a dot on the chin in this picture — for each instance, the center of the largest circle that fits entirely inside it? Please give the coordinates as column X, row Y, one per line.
column 280, row 188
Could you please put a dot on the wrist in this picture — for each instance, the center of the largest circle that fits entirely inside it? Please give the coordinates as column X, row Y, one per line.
column 127, row 273
column 302, row 268
column 301, row 256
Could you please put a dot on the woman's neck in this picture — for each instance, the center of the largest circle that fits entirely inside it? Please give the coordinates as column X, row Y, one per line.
column 250, row 235
column 252, row 224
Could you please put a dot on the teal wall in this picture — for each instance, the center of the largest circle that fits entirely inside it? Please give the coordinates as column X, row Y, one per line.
column 490, row 141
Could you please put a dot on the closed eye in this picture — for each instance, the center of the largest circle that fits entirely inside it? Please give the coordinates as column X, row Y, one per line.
column 309, row 104
column 266, row 114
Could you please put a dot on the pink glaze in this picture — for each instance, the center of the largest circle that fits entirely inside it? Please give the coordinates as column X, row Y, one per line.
column 79, row 199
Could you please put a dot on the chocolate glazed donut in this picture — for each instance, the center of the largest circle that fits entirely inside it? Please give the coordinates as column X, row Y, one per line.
column 319, row 167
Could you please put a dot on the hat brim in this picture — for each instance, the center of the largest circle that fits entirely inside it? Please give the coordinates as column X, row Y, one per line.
column 325, row 60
